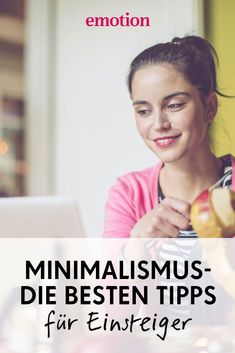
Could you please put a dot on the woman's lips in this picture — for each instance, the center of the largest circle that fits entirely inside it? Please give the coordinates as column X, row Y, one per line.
column 166, row 141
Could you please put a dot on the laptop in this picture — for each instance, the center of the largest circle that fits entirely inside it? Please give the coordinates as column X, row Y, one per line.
column 49, row 216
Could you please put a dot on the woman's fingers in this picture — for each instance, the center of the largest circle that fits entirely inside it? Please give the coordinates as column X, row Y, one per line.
column 180, row 206
column 160, row 228
column 172, row 216
column 169, row 217
column 165, row 220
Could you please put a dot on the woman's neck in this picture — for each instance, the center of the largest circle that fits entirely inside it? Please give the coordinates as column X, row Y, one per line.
column 187, row 177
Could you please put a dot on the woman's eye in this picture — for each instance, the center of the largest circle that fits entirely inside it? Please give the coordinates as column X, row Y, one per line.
column 143, row 112
column 175, row 106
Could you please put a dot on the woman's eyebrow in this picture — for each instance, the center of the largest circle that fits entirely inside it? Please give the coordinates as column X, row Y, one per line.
column 176, row 94
column 139, row 102
column 165, row 98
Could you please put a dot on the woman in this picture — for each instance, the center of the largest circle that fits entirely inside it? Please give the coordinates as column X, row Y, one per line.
column 174, row 92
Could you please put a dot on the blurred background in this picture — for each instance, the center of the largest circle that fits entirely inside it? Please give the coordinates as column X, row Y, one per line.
column 66, row 121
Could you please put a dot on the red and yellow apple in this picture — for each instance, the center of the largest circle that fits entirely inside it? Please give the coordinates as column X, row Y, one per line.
column 213, row 213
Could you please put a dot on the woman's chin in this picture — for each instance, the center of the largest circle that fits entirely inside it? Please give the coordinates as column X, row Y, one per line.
column 168, row 156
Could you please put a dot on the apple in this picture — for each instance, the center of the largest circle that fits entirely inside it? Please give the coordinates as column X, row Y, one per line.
column 213, row 213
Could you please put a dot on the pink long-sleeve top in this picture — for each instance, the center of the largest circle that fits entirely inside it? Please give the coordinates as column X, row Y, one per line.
column 133, row 195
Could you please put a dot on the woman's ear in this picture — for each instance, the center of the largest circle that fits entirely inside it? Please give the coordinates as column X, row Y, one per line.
column 211, row 106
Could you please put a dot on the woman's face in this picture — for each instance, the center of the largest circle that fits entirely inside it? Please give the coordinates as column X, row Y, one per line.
column 170, row 115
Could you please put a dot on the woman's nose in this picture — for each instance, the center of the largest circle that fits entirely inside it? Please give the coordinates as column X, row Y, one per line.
column 160, row 121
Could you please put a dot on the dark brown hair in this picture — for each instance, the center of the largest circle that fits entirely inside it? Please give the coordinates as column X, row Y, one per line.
column 192, row 56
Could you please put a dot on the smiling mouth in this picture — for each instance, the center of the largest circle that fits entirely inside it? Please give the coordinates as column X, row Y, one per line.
column 166, row 140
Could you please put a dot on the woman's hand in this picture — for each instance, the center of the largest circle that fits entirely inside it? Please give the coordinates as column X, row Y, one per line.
column 164, row 221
